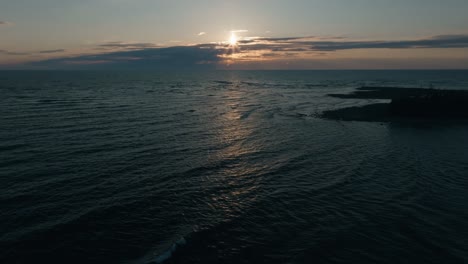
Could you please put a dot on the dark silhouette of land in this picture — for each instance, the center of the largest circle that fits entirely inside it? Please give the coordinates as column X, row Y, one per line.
column 406, row 104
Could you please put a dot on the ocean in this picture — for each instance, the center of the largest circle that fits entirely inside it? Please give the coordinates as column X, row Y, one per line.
column 225, row 167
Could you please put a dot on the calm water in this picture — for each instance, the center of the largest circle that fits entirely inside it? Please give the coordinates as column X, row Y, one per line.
column 224, row 167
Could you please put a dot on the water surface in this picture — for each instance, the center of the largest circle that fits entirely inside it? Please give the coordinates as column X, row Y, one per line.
column 224, row 167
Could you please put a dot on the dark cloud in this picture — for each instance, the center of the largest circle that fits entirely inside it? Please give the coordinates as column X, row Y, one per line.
column 283, row 39
column 179, row 57
column 310, row 44
column 30, row 53
column 4, row 23
column 288, row 47
column 51, row 51
column 124, row 45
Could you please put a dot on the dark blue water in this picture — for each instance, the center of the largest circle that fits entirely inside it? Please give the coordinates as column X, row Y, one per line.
column 225, row 167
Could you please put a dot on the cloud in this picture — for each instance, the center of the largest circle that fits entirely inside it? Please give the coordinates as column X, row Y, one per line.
column 178, row 57
column 280, row 47
column 201, row 33
column 5, row 23
column 14, row 53
column 51, row 51
column 126, row 45
column 239, row 31
column 123, row 55
column 318, row 44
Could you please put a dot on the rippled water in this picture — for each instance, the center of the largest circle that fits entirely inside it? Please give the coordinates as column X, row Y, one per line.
column 224, row 167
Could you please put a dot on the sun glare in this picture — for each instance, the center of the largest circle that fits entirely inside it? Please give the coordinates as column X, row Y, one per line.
column 233, row 39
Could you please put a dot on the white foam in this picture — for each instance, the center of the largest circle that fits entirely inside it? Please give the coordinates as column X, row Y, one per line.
column 168, row 253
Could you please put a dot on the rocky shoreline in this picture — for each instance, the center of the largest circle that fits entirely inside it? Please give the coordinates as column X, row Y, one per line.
column 406, row 104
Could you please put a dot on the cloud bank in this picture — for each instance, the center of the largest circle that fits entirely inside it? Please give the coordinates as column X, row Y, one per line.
column 120, row 55
column 180, row 57
column 126, row 45
column 315, row 44
column 13, row 53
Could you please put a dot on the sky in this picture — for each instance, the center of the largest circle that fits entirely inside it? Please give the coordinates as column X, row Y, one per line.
column 235, row 34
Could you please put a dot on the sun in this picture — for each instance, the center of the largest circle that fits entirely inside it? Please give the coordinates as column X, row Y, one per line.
column 233, row 39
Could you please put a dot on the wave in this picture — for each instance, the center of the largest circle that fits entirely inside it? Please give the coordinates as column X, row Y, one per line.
column 167, row 254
